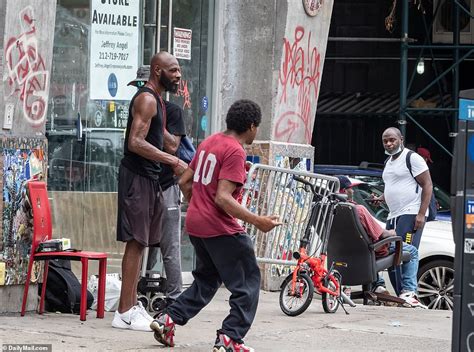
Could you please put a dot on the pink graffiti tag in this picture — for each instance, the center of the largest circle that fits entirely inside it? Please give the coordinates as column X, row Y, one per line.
column 27, row 75
column 184, row 92
column 300, row 71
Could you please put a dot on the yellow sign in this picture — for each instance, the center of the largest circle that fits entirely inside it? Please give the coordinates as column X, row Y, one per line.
column 2, row 273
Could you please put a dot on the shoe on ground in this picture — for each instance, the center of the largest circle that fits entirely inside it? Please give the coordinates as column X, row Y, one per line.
column 144, row 312
column 225, row 344
column 382, row 290
column 164, row 328
column 132, row 319
column 411, row 298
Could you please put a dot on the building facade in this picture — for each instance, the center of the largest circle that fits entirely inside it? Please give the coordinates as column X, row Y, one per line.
column 64, row 97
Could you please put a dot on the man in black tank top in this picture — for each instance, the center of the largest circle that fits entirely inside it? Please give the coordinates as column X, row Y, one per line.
column 140, row 198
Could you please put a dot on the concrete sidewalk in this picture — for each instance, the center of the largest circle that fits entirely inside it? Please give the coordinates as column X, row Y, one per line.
column 367, row 328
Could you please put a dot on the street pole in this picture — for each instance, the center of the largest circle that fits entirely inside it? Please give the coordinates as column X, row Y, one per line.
column 403, row 68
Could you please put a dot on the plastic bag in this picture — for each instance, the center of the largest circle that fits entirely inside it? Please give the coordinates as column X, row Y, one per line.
column 112, row 291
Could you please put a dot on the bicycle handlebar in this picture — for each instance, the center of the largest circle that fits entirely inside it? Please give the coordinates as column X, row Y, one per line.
column 340, row 197
column 302, row 180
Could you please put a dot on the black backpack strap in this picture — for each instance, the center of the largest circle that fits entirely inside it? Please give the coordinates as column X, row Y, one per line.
column 408, row 162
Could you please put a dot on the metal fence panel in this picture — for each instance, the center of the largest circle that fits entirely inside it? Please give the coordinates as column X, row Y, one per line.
column 271, row 190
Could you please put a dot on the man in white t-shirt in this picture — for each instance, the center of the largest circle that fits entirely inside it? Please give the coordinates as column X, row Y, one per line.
column 407, row 197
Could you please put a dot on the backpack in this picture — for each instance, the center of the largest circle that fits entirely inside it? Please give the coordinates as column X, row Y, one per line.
column 63, row 289
column 432, row 208
column 186, row 150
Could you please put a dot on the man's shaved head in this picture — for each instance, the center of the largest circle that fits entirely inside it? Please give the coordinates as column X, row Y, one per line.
column 162, row 59
column 393, row 130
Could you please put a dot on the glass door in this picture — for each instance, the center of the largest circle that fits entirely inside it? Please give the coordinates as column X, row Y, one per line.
column 183, row 28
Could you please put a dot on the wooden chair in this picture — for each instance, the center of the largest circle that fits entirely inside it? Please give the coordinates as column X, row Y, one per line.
column 42, row 231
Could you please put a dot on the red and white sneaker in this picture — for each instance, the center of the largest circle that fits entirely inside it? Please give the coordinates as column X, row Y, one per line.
column 225, row 344
column 411, row 298
column 164, row 328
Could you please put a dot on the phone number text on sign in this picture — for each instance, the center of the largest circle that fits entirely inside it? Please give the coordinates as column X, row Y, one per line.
column 108, row 55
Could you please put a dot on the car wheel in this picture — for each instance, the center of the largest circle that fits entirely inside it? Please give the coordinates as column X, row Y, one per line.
column 436, row 284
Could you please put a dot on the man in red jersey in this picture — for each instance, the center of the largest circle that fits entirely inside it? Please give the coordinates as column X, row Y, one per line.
column 224, row 252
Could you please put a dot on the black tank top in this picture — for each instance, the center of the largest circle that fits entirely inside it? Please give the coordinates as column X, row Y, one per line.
column 134, row 162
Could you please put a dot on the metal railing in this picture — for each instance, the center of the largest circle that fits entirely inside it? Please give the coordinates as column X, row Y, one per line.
column 271, row 190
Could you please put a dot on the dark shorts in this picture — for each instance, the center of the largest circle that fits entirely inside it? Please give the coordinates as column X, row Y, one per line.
column 140, row 208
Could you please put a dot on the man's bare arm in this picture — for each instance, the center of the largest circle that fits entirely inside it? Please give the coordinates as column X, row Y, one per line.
column 424, row 180
column 143, row 111
column 186, row 183
column 171, row 142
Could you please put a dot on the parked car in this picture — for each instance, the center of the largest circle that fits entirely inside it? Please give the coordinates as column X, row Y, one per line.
column 436, row 251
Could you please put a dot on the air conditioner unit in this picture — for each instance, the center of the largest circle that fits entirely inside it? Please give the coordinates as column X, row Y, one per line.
column 443, row 24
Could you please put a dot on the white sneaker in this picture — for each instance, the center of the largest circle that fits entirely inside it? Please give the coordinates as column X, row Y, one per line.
column 381, row 289
column 131, row 319
column 411, row 298
column 144, row 312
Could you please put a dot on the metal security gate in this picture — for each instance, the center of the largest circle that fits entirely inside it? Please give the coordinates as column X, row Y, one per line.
column 272, row 190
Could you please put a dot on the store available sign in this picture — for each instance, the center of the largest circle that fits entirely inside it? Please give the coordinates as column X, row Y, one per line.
column 114, row 50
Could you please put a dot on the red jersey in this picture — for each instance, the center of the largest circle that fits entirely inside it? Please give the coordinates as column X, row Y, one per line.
column 218, row 157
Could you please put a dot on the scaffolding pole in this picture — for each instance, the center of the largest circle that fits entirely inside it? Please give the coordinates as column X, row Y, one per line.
column 459, row 54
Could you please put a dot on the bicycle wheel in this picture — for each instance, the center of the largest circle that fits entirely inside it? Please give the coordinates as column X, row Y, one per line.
column 297, row 303
column 330, row 302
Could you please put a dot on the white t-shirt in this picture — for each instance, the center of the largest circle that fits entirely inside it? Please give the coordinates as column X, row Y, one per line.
column 400, row 186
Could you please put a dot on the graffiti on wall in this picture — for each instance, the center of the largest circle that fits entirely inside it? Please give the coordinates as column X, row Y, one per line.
column 183, row 91
column 19, row 166
column 299, row 77
column 26, row 75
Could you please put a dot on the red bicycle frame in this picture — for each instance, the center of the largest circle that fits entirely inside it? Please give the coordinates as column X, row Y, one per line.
column 318, row 273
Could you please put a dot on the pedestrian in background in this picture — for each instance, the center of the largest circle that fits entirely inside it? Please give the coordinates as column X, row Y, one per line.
column 170, row 239
column 224, row 252
column 407, row 197
column 140, row 198
column 425, row 154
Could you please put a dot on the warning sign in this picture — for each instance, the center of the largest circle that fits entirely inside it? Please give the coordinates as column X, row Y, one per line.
column 182, row 43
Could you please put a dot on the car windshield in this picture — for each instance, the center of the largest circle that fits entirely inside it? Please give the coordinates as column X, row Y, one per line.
column 441, row 196
column 363, row 194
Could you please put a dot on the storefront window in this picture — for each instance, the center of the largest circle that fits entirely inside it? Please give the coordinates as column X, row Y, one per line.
column 194, row 92
column 86, row 136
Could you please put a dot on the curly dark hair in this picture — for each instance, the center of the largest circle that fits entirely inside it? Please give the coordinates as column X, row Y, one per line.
column 242, row 114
